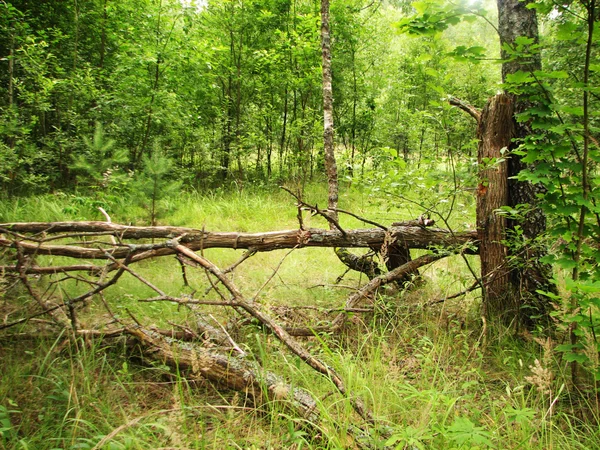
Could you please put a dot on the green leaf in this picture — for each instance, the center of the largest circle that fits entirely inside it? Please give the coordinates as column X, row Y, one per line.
column 431, row 72
column 523, row 40
column 578, row 357
column 575, row 110
column 567, row 31
column 519, row 77
column 463, row 432
column 556, row 74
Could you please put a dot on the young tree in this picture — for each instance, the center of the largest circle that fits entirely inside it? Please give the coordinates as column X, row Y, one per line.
column 328, row 141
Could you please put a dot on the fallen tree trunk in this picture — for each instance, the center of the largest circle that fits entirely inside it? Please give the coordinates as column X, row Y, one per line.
column 232, row 372
column 195, row 239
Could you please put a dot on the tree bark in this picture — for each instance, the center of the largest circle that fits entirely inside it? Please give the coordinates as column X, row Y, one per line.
column 234, row 373
column 328, row 142
column 11, row 236
column 527, row 273
column 495, row 132
column 516, row 20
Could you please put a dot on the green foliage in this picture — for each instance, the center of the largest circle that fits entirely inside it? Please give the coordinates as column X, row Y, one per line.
column 410, row 437
column 464, row 432
column 562, row 158
column 232, row 90
column 99, row 167
column 154, row 183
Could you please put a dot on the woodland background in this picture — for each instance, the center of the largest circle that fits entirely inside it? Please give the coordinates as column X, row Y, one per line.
column 168, row 112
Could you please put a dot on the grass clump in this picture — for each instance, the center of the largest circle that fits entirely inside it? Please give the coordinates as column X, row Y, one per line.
column 427, row 370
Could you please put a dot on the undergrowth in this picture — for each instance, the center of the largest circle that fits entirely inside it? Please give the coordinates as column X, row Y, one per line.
column 427, row 369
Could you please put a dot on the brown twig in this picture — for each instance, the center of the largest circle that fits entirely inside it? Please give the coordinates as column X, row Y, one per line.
column 272, row 275
column 188, row 301
column 247, row 254
column 469, row 109
column 275, row 328
column 78, row 299
column 474, row 286
column 229, row 338
column 315, row 210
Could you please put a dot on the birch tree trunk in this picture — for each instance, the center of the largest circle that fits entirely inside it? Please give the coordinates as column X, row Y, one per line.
column 328, row 142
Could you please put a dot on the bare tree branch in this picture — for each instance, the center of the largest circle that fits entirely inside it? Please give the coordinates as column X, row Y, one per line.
column 469, row 109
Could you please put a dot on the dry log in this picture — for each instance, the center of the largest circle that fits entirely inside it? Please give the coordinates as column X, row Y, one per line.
column 253, row 310
column 233, row 372
column 194, row 361
column 195, row 239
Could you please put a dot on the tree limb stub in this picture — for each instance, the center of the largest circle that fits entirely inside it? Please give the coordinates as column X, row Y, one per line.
column 195, row 239
column 466, row 107
column 368, row 290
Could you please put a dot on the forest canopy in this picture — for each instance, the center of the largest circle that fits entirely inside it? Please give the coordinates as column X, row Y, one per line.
column 228, row 91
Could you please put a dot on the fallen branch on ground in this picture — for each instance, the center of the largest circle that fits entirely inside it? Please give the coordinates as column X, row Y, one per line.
column 195, row 239
column 236, row 373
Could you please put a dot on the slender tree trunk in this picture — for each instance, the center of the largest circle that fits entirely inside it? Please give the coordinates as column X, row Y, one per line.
column 137, row 156
column 76, row 38
column 397, row 253
column 103, row 34
column 11, row 73
column 283, row 137
column 354, row 101
column 328, row 143
column 11, row 85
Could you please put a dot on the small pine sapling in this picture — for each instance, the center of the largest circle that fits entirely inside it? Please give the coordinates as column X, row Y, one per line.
column 100, row 166
column 155, row 183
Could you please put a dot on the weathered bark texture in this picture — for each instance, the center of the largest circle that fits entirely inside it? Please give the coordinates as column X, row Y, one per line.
column 528, row 274
column 363, row 263
column 515, row 20
column 234, row 373
column 195, row 239
column 495, row 132
column 466, row 107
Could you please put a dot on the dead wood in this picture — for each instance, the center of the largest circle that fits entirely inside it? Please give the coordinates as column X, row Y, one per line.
column 367, row 292
column 363, row 263
column 195, row 239
column 466, row 107
column 31, row 239
column 237, row 373
column 99, row 287
column 496, row 130
column 295, row 347
column 194, row 361
column 181, row 335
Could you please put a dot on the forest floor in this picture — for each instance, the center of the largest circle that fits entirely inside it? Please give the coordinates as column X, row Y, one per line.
column 432, row 374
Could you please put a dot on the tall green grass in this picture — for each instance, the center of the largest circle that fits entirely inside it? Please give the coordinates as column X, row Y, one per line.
column 430, row 376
